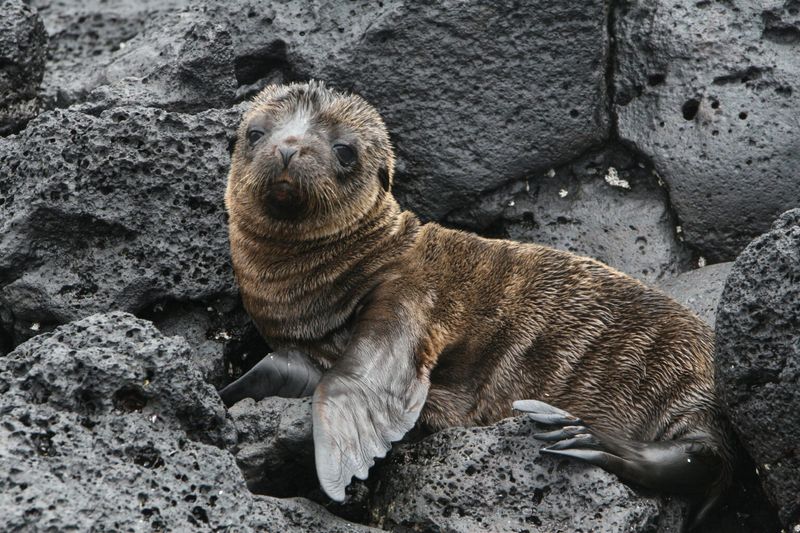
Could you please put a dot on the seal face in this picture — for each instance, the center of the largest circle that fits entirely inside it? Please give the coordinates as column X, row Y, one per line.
column 416, row 323
column 307, row 159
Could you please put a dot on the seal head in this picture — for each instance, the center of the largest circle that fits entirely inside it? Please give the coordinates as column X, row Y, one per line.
column 309, row 160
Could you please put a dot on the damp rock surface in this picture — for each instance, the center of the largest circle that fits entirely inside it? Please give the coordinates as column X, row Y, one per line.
column 758, row 359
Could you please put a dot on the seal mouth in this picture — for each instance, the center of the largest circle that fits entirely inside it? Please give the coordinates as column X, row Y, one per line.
column 284, row 200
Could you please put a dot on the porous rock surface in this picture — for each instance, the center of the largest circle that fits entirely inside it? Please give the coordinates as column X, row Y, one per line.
column 758, row 359
column 105, row 424
column 711, row 92
column 494, row 479
column 275, row 450
column 23, row 44
column 115, row 211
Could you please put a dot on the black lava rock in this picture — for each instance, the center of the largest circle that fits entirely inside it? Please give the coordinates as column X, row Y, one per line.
column 106, row 425
column 494, row 479
column 117, row 211
column 758, row 359
column 466, row 109
column 23, row 44
column 606, row 204
column 275, row 450
column 710, row 91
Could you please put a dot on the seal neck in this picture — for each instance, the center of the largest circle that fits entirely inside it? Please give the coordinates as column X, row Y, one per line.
column 381, row 234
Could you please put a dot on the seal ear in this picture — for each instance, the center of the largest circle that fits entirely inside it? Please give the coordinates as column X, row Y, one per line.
column 383, row 177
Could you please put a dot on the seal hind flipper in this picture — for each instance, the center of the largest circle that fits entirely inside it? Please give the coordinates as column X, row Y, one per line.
column 371, row 397
column 289, row 374
column 690, row 465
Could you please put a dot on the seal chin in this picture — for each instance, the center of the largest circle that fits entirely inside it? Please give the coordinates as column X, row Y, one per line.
column 284, row 201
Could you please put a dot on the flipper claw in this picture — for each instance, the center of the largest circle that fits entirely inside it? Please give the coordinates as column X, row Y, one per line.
column 563, row 433
column 544, row 413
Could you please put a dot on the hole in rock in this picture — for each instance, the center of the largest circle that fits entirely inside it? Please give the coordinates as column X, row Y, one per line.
column 43, row 443
column 200, row 514
column 690, row 108
column 258, row 64
column 146, row 456
column 129, row 398
column 655, row 79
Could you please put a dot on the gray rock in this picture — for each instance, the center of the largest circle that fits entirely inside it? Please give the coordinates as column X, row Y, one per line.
column 758, row 359
column 223, row 340
column 466, row 110
column 710, row 90
column 411, row 60
column 605, row 205
column 97, row 420
column 116, row 211
column 275, row 450
column 185, row 63
column 699, row 289
column 23, row 44
column 495, row 479
column 85, row 36
column 106, row 364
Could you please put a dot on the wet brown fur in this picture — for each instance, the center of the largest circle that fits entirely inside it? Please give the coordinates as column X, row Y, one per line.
column 498, row 320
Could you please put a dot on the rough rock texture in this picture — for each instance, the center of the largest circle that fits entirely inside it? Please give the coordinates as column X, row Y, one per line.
column 699, row 290
column 407, row 58
column 100, row 425
column 710, row 91
column 23, row 43
column 84, row 37
column 605, row 205
column 276, row 449
column 224, row 341
column 275, row 452
column 116, row 211
column 758, row 359
column 495, row 479
column 186, row 63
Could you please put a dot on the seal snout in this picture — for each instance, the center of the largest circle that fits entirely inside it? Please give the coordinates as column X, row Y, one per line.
column 283, row 199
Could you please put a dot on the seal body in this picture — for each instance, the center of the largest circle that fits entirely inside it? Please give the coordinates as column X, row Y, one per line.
column 416, row 323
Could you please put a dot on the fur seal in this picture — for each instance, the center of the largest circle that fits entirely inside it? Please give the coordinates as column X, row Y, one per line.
column 418, row 324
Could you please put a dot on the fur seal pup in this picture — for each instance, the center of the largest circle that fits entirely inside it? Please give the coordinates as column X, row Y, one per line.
column 416, row 323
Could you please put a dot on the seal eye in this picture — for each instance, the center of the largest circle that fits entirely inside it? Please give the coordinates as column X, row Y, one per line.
column 254, row 135
column 345, row 154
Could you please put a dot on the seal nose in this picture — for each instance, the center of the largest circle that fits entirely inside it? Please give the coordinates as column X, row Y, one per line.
column 286, row 154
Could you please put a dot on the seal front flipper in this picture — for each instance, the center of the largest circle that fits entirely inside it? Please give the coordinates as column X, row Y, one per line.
column 288, row 373
column 370, row 398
